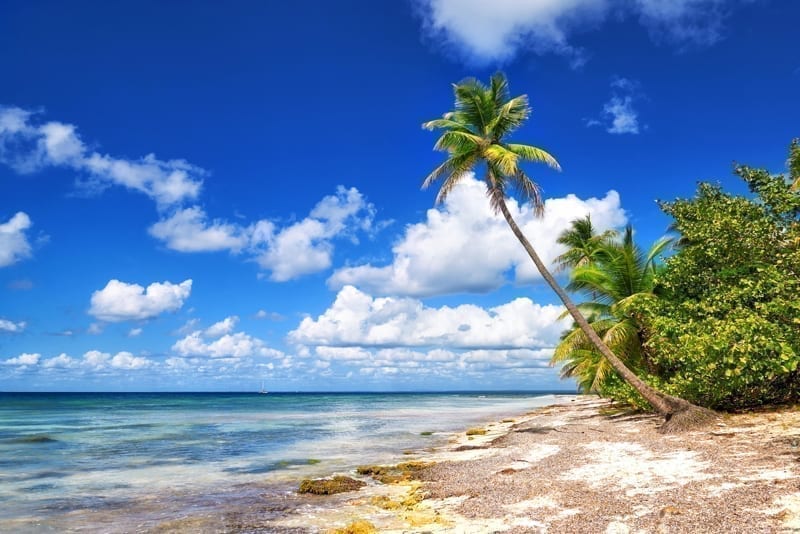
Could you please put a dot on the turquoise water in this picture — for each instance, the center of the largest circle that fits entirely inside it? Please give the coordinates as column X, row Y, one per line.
column 129, row 461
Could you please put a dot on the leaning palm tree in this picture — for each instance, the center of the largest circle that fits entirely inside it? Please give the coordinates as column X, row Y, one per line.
column 474, row 133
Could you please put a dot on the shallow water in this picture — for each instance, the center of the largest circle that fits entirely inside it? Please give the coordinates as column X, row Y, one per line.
column 134, row 462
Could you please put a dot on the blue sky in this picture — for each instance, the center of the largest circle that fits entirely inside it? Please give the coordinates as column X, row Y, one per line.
column 202, row 197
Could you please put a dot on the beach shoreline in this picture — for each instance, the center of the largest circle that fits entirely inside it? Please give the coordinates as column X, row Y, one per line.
column 581, row 465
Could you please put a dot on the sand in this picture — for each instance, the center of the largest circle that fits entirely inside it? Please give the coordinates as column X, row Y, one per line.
column 582, row 467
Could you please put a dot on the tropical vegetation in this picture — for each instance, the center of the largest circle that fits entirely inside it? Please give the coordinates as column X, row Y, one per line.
column 614, row 277
column 718, row 323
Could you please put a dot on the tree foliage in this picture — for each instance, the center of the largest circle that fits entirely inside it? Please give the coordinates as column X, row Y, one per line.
column 719, row 323
column 725, row 330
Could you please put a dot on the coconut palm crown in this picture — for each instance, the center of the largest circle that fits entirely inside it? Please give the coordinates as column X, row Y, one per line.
column 474, row 132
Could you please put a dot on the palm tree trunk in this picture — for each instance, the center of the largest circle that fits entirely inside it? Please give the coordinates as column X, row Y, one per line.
column 666, row 405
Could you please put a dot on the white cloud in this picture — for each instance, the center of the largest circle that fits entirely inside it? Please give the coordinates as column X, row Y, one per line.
column 24, row 359
column 95, row 329
column 120, row 301
column 298, row 249
column 447, row 253
column 496, row 31
column 619, row 115
column 28, row 146
column 96, row 361
column 306, row 246
column 222, row 327
column 61, row 361
column 358, row 320
column 188, row 230
column 685, row 22
column 11, row 326
column 93, row 360
column 226, row 345
column 135, row 332
column 623, row 117
column 439, row 364
column 14, row 244
column 272, row 316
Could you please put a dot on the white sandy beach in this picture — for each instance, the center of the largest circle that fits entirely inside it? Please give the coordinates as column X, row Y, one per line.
column 580, row 467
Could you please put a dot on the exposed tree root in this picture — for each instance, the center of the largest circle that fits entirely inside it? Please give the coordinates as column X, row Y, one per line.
column 686, row 416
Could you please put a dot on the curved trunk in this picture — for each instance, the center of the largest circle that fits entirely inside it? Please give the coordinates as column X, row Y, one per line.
column 666, row 405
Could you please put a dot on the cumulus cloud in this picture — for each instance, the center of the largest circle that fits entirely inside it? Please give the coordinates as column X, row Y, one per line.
column 14, row 245
column 96, row 360
column 62, row 361
column 120, row 301
column 188, row 230
column 11, row 326
column 486, row 32
column 447, row 253
column 27, row 145
column 24, row 360
column 303, row 247
column 356, row 319
column 619, row 115
column 436, row 364
column 403, row 338
column 219, row 341
column 222, row 327
column 495, row 31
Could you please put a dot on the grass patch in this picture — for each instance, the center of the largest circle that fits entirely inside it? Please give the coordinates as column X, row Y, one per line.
column 507, row 421
column 330, row 486
column 476, row 432
column 426, row 433
column 313, row 461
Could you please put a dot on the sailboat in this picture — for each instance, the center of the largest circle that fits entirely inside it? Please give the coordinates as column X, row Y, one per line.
column 262, row 391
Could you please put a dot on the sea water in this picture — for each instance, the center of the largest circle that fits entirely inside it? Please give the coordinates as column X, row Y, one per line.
column 135, row 462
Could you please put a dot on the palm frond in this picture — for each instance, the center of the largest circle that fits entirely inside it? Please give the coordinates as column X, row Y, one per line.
column 593, row 311
column 449, row 184
column 499, row 89
column 445, row 124
column 457, row 141
column 532, row 153
column 508, row 117
column 656, row 250
column 473, row 104
column 458, row 164
column 503, row 160
column 530, row 191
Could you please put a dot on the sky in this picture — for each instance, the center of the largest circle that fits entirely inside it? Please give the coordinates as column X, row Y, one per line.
column 204, row 197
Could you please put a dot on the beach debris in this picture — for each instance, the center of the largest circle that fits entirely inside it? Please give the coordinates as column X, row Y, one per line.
column 359, row 526
column 330, row 486
column 392, row 474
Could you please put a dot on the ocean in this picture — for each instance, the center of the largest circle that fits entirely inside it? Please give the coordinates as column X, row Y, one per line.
column 143, row 462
